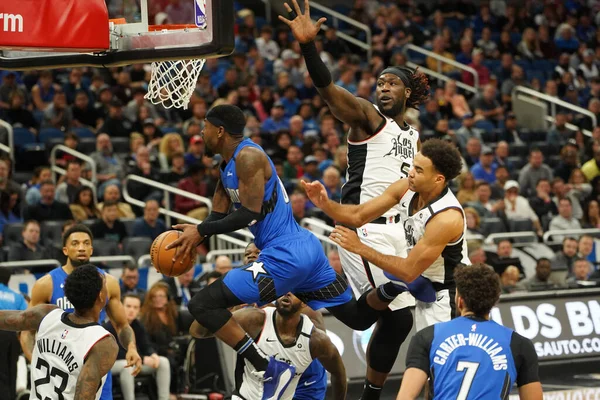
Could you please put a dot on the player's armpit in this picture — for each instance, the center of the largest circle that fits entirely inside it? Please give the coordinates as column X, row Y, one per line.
column 98, row 363
column 28, row 320
column 531, row 391
column 446, row 227
column 221, row 203
column 413, row 381
column 323, row 349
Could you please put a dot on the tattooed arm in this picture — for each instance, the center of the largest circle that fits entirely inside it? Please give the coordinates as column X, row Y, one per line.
column 97, row 364
column 40, row 294
column 28, row 320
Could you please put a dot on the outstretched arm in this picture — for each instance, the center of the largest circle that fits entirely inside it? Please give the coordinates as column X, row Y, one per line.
column 97, row 364
column 250, row 319
column 444, row 228
column 28, row 320
column 354, row 111
column 360, row 214
column 322, row 349
column 40, row 294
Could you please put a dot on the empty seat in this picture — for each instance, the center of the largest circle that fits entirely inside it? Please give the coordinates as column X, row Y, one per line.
column 120, row 144
column 136, row 246
column 106, row 247
column 492, row 225
column 489, row 136
column 51, row 233
column 84, row 133
column 521, row 150
column 520, row 225
column 485, row 125
column 12, row 233
column 23, row 137
column 129, row 223
column 50, row 133
column 517, row 162
column 86, row 145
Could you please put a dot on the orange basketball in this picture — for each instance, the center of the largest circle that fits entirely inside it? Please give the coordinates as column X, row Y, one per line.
column 162, row 259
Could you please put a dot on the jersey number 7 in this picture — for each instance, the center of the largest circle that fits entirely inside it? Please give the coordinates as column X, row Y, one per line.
column 470, row 369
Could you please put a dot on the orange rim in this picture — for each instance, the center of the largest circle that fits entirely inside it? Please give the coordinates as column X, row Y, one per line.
column 171, row 27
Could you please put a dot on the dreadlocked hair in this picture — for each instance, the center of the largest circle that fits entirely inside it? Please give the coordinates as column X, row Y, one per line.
column 419, row 85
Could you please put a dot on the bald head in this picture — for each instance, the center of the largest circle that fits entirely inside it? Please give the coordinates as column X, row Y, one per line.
column 223, row 264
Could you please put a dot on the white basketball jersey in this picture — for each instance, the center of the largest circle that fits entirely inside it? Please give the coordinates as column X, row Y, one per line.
column 297, row 354
column 58, row 355
column 377, row 162
column 442, row 269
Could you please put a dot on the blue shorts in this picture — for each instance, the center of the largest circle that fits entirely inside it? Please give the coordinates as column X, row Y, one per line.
column 107, row 388
column 295, row 263
column 313, row 383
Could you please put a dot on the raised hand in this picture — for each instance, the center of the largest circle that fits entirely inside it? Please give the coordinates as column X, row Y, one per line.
column 316, row 192
column 303, row 29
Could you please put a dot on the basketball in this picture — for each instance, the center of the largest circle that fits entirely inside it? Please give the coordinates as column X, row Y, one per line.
column 162, row 259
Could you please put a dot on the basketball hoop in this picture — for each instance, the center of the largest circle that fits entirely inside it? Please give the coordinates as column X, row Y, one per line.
column 172, row 82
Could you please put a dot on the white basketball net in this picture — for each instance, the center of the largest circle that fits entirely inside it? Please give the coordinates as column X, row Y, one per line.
column 172, row 83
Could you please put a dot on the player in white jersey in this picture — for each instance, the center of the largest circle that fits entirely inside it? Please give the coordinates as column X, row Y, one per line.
column 72, row 353
column 288, row 335
column 381, row 147
column 434, row 224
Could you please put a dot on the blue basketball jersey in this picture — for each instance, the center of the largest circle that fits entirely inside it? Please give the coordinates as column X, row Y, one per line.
column 278, row 219
column 59, row 276
column 471, row 359
column 313, row 383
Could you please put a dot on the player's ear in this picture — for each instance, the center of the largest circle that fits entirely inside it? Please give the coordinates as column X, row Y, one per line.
column 407, row 92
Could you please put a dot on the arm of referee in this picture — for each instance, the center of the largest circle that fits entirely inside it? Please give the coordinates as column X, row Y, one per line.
column 526, row 363
column 417, row 365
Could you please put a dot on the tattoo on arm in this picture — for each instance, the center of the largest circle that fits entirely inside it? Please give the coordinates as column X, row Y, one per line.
column 28, row 320
column 126, row 336
column 99, row 362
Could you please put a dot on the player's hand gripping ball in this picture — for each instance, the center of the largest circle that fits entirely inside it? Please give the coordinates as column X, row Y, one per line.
column 164, row 260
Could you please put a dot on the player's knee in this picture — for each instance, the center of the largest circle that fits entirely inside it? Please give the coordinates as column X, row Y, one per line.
column 209, row 306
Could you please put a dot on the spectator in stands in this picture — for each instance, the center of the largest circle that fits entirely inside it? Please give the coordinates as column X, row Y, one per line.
column 569, row 161
column 431, row 116
column 509, row 279
column 485, row 169
column 43, row 91
column 293, row 165
column 472, row 151
column 510, row 134
column 58, row 115
column 591, row 215
column 535, row 170
column 149, row 225
column 541, row 279
column 489, row 46
column 298, row 200
column 591, row 169
column 564, row 259
column 467, row 131
column 561, row 191
column 108, row 226
column 439, row 48
column 223, row 264
column 65, row 191
column 130, row 279
column 476, row 252
column 113, row 194
column 542, row 202
column 529, row 48
column 482, row 71
column 8, row 200
column 110, row 169
column 195, row 124
column 83, row 206
column 332, row 182
column 182, row 288
column 517, row 207
column 517, row 78
column 144, row 169
column 473, row 221
column 277, row 121
column 458, row 103
column 267, row 47
column 84, row 115
column 29, row 248
column 177, row 171
column 311, row 169
column 170, row 144
column 7, row 184
column 163, row 322
column 582, row 270
column 567, row 41
column 486, row 106
column 559, row 134
column 587, row 249
column 483, row 205
column 465, row 56
column 153, row 364
column 194, row 184
column 497, row 188
column 133, row 107
column 195, row 151
column 17, row 114
column 466, row 188
column 48, row 208
column 116, row 124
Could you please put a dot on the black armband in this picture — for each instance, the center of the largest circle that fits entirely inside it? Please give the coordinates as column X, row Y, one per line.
column 317, row 69
column 238, row 219
column 213, row 216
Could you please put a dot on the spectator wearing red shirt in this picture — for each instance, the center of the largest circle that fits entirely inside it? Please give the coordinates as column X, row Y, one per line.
column 482, row 71
column 195, row 184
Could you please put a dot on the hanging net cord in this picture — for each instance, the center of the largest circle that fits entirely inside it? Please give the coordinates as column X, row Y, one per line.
column 172, row 83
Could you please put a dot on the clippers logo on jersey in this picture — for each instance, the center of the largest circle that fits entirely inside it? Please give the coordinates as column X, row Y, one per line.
column 409, row 230
column 493, row 349
column 401, row 147
column 64, row 334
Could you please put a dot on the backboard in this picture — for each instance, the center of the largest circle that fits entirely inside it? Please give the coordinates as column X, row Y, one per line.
column 36, row 34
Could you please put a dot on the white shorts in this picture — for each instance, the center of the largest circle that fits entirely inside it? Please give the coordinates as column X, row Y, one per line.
column 427, row 314
column 387, row 239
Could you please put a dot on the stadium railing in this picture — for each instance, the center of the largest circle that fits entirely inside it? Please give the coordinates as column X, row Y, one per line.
column 10, row 148
column 441, row 60
column 554, row 103
column 576, row 233
column 335, row 18
column 442, row 77
column 77, row 154
column 519, row 239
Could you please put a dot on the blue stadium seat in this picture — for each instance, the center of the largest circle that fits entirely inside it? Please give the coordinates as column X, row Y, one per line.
column 519, row 150
column 23, row 137
column 454, row 124
column 492, row 225
column 50, row 133
column 485, row 125
column 454, row 24
column 86, row 145
column 12, row 233
column 170, row 129
column 84, row 133
column 515, row 37
column 136, row 246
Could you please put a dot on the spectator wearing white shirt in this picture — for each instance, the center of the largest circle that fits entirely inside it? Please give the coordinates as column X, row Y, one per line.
column 267, row 47
column 564, row 220
column 588, row 68
column 517, row 207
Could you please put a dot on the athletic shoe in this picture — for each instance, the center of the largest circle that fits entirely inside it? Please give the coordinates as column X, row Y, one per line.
column 421, row 288
column 276, row 379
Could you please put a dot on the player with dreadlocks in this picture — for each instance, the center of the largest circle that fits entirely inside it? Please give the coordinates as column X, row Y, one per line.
column 381, row 148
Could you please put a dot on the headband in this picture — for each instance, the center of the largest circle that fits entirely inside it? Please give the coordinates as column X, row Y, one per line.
column 401, row 73
column 230, row 127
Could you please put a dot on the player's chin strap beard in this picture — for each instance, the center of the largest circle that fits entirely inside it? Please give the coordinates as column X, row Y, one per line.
column 78, row 263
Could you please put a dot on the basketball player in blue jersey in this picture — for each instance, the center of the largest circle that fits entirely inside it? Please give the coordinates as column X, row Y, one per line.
column 472, row 357
column 291, row 258
column 313, row 382
column 49, row 289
